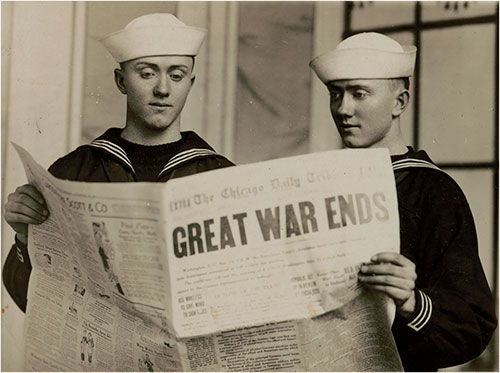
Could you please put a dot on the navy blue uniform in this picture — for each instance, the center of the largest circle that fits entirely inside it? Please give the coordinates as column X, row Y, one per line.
column 105, row 160
column 455, row 315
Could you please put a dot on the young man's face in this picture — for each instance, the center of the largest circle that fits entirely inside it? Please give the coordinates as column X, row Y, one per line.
column 363, row 111
column 156, row 89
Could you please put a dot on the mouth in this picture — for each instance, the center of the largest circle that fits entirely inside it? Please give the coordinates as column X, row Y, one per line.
column 346, row 126
column 160, row 104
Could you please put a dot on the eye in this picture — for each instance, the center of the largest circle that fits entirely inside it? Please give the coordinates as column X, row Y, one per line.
column 176, row 76
column 359, row 93
column 334, row 94
column 147, row 74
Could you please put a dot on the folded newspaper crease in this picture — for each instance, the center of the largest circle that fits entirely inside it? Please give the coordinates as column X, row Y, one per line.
column 245, row 268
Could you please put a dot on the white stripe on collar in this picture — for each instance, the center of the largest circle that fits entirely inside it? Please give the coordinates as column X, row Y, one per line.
column 185, row 156
column 411, row 162
column 114, row 149
column 175, row 161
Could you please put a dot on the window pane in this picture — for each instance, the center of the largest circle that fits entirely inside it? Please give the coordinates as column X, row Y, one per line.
column 457, row 93
column 477, row 186
column 367, row 14
column 274, row 80
column 434, row 10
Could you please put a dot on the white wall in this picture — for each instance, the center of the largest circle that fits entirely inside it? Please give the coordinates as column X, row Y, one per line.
column 37, row 86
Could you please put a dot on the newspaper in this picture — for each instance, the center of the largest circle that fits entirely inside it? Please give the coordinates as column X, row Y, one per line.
column 245, row 268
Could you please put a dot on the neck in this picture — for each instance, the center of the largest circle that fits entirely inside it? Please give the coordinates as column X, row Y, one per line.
column 146, row 136
column 396, row 146
column 393, row 140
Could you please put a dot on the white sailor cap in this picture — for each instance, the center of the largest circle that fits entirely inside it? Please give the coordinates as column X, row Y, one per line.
column 154, row 35
column 367, row 55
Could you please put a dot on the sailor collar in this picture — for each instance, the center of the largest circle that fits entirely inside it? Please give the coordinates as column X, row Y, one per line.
column 413, row 159
column 195, row 148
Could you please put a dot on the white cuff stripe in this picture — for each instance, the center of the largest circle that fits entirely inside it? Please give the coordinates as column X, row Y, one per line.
column 416, row 324
column 425, row 313
column 428, row 314
column 421, row 309
column 20, row 255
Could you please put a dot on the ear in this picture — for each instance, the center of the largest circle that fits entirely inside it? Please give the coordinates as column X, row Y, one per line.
column 401, row 102
column 120, row 81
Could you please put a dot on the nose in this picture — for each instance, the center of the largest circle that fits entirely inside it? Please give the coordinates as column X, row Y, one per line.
column 162, row 86
column 345, row 105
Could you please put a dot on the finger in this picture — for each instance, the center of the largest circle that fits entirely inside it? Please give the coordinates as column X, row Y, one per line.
column 394, row 258
column 14, row 220
column 399, row 295
column 27, row 192
column 26, row 195
column 27, row 208
column 389, row 269
column 397, row 282
column 26, row 205
column 32, row 192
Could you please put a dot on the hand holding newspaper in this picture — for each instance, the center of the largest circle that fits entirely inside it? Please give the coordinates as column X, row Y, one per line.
column 244, row 268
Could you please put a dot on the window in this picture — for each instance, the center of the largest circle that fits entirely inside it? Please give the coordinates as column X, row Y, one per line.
column 455, row 102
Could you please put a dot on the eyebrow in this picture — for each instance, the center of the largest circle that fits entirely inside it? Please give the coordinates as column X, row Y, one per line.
column 139, row 64
column 332, row 85
column 182, row 66
column 153, row 65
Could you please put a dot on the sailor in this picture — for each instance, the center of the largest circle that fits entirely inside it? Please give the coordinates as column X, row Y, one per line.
column 445, row 309
column 156, row 55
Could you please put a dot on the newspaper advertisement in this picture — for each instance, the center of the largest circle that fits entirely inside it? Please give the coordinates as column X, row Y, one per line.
column 244, row 268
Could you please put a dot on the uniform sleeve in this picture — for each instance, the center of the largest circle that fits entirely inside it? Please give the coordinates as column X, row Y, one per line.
column 16, row 272
column 455, row 314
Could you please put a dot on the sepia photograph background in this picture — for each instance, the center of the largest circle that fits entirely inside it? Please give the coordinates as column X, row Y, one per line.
column 255, row 98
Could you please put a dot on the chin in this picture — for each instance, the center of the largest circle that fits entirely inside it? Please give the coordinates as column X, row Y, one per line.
column 158, row 125
column 353, row 144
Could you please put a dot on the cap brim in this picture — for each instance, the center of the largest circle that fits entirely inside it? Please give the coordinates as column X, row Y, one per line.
column 364, row 64
column 129, row 44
